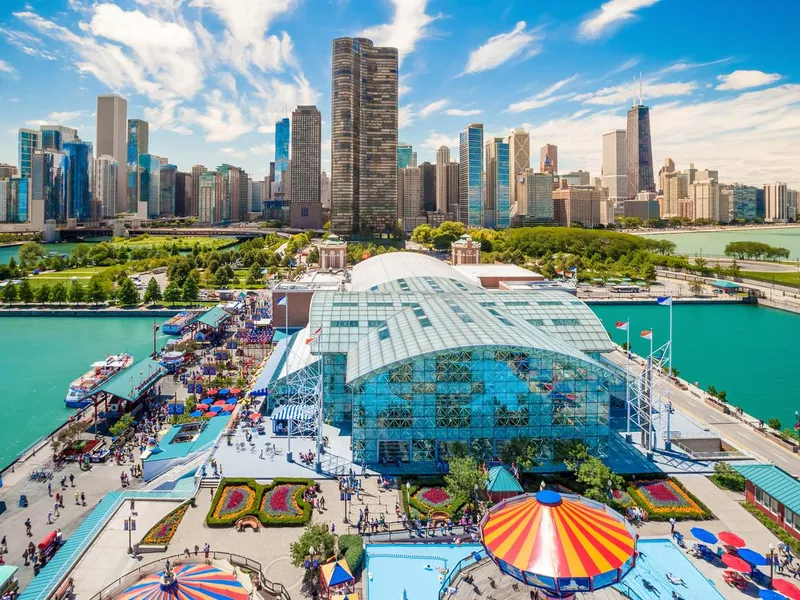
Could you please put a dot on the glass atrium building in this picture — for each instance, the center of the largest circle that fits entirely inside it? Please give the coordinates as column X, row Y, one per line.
column 415, row 358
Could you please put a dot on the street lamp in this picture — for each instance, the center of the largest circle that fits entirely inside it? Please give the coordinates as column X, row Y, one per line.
column 771, row 561
column 130, row 524
column 408, row 492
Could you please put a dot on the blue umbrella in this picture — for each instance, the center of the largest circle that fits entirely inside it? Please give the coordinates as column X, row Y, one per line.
column 224, row 413
column 770, row 595
column 215, row 409
column 753, row 557
column 224, row 392
column 197, row 413
column 703, row 535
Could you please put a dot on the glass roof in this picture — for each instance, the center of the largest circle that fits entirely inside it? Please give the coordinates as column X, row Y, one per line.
column 392, row 266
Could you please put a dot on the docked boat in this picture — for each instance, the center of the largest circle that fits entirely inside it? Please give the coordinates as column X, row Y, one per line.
column 100, row 372
column 178, row 324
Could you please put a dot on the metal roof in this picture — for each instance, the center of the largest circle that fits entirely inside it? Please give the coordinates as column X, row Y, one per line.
column 214, row 317
column 400, row 265
column 500, row 480
column 774, row 481
column 133, row 382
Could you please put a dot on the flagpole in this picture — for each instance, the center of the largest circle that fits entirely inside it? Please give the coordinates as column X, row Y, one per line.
column 319, row 403
column 650, row 401
column 627, row 382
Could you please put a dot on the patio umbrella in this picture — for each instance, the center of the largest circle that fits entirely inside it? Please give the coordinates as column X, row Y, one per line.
column 786, row 588
column 703, row 535
column 202, row 406
column 736, row 563
column 229, row 407
column 224, row 392
column 770, row 595
column 212, row 392
column 220, row 403
column 753, row 557
column 210, row 414
column 731, row 539
column 197, row 413
column 254, row 416
column 236, row 391
column 224, row 413
column 215, row 409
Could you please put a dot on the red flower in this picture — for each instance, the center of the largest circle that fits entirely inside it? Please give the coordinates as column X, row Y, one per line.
column 234, row 500
column 279, row 500
column 661, row 493
column 435, row 496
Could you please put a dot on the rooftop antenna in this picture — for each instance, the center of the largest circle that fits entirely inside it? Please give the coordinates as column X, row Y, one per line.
column 641, row 101
column 634, row 91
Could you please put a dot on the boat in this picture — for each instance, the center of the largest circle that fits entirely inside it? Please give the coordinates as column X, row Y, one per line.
column 100, row 372
column 178, row 324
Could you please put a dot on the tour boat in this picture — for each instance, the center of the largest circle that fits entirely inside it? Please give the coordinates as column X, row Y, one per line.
column 100, row 372
column 177, row 324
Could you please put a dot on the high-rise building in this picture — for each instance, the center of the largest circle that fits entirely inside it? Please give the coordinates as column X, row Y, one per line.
column 168, row 181
column 282, row 136
column 442, row 160
column 305, row 208
column 519, row 160
column 184, row 188
column 744, row 202
column 691, row 173
column 192, row 207
column 7, row 171
column 411, row 200
column 79, row 180
column 676, row 188
column 138, row 139
column 669, row 167
column 761, row 209
column 104, row 187
column 427, row 176
column 453, row 174
column 537, row 202
column 257, row 197
column 55, row 136
column 149, row 172
column 548, row 159
column 211, row 193
column 496, row 207
column 707, row 174
column 404, row 152
column 112, row 137
column 577, row 204
column 615, row 164
column 228, row 206
column 725, row 203
column 364, row 137
column 325, row 190
column 791, row 204
column 775, row 204
column 49, row 183
column 578, row 177
column 30, row 141
column 14, row 200
column 640, row 150
column 470, row 195
column 271, row 186
column 704, row 193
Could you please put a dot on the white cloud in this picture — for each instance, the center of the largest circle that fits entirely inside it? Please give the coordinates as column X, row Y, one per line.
column 268, row 149
column 623, row 94
column 435, row 140
column 405, row 116
column 275, row 99
column 5, row 67
column 410, row 25
column 742, row 80
column 222, row 121
column 543, row 98
column 609, row 15
column 233, row 152
column 501, row 48
column 433, row 107
column 26, row 43
column 622, row 67
column 58, row 118
column 682, row 65
column 163, row 116
column 460, row 112
column 403, row 86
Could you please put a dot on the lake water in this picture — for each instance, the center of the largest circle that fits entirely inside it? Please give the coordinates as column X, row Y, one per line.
column 712, row 243
column 6, row 252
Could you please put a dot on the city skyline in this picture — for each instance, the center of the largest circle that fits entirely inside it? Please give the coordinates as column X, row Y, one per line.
column 719, row 103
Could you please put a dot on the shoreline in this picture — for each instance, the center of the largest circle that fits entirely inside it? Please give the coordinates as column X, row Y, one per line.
column 710, row 229
column 89, row 312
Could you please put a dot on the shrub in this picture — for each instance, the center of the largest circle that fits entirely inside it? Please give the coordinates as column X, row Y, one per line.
column 255, row 506
column 776, row 529
column 352, row 548
column 727, row 478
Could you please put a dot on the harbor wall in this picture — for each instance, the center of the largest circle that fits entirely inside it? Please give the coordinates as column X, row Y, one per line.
column 89, row 312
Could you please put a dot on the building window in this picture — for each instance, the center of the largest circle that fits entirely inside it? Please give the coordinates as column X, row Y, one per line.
column 344, row 323
column 303, row 211
column 767, row 501
column 562, row 322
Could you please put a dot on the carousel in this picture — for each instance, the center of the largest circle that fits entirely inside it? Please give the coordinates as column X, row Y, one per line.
column 187, row 582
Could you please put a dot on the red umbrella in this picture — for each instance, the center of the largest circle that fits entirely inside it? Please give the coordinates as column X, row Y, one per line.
column 736, row 563
column 254, row 416
column 202, row 406
column 220, row 403
column 212, row 392
column 235, row 392
column 229, row 407
column 731, row 539
column 210, row 414
column 786, row 588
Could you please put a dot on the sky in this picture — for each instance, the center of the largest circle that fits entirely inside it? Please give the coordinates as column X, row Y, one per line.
column 213, row 76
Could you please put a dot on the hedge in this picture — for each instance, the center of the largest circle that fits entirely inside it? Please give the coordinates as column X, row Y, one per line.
column 451, row 509
column 352, row 547
column 666, row 515
column 776, row 529
column 212, row 521
column 265, row 519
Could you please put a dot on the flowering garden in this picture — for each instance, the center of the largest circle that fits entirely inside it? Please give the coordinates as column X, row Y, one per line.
column 161, row 533
column 429, row 496
column 279, row 503
column 666, row 498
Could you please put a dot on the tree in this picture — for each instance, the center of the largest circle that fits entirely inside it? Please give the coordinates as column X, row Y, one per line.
column 30, row 253
column 13, row 269
column 10, row 292
column 696, row 288
column 221, row 277
column 597, row 478
column 43, row 294
column 153, row 291
column 25, row 291
column 59, row 293
column 464, row 478
column 571, row 452
column 95, row 292
column 128, row 295
column 77, row 293
column 122, row 425
column 316, row 536
column 173, row 293
column 191, row 289
column 774, row 423
column 521, row 450
column 254, row 276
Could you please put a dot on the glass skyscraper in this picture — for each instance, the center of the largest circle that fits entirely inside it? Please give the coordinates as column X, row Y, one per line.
column 138, row 139
column 79, row 180
column 30, row 140
column 470, row 197
column 167, row 176
column 14, row 195
column 282, row 136
column 150, row 183
column 640, row 152
column 744, row 202
column 496, row 207
column 49, row 177
column 404, row 155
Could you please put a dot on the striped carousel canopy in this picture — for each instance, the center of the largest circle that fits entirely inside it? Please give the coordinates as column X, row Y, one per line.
column 193, row 582
column 561, row 543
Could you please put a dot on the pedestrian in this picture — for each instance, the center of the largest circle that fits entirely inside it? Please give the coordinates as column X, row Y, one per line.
column 56, row 512
column 186, row 552
column 49, row 489
column 25, row 556
column 77, row 498
column 196, row 549
column 49, row 517
column 83, row 499
column 672, row 525
column 206, row 551
column 322, row 502
column 71, row 480
column 28, row 527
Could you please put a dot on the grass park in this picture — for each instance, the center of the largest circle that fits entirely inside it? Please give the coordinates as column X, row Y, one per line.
column 791, row 278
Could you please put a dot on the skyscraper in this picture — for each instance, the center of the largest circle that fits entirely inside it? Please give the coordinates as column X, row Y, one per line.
column 55, row 136
column 615, row 164
column 775, row 204
column 49, row 178
column 257, row 198
column 167, row 180
column 149, row 172
column 79, row 180
column 669, row 167
column 704, row 193
column 138, row 139
column 104, row 187
column 30, row 141
column 364, row 137
column 228, row 206
column 404, row 152
column 282, row 136
column 519, row 159
column 640, row 150
column 427, row 186
column 112, row 138
column 470, row 195
column 442, row 160
column 305, row 210
column 211, row 194
column 676, row 188
column 184, row 188
column 412, row 195
column 453, row 176
column 7, row 171
column 538, row 198
column 496, row 190
column 744, row 202
column 14, row 200
column 548, row 159
column 192, row 207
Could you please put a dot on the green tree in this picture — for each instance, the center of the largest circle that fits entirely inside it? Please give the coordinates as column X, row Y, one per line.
column 726, row 477
column 128, row 295
column 254, row 276
column 316, row 536
column 77, row 293
column 191, row 289
column 597, row 478
column 13, row 268
column 25, row 291
column 571, row 452
column 153, row 291
column 696, row 288
column 30, row 253
column 122, row 425
column 43, row 294
column 173, row 293
column 59, row 293
column 95, row 292
column 464, row 478
column 774, row 423
column 221, row 277
column 10, row 293
column 521, row 450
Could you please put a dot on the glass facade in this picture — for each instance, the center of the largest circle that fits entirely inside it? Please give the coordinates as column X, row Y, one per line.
column 404, row 152
column 29, row 141
column 14, row 196
column 744, row 202
column 167, row 175
column 471, row 175
column 49, row 181
column 282, row 136
column 79, row 180
column 51, row 139
column 149, row 172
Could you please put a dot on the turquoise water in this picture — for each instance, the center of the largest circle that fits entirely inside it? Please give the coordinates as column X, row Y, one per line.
column 6, row 252
column 712, row 243
column 41, row 356
column 391, row 568
column 748, row 351
column 657, row 558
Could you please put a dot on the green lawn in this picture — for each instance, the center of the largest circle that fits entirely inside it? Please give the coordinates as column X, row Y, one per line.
column 784, row 278
column 184, row 242
column 84, row 274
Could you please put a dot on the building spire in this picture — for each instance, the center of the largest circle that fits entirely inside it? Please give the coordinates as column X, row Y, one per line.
column 641, row 101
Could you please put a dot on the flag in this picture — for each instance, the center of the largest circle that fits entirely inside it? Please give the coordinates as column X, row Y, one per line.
column 574, row 269
column 283, row 301
column 622, row 325
column 314, row 336
column 665, row 301
column 559, row 271
column 647, row 334
column 292, row 263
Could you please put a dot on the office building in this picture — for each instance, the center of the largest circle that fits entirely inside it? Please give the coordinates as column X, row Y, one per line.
column 404, row 155
column 282, row 137
column 305, row 208
column 744, row 202
column 791, row 203
column 257, row 196
column 496, row 204
column 29, row 141
column 55, row 136
column 577, row 204
column 228, row 206
column 411, row 199
column 615, row 164
column 644, row 206
column 707, row 174
column 104, row 187
column 704, row 194
column 211, row 196
column 427, row 175
column 138, row 139
column 519, row 160
column 669, row 167
column 538, row 198
column 364, row 137
column 470, row 195
column 548, row 159
column 79, row 180
column 168, row 180
column 676, row 188
column 582, row 178
column 7, row 171
column 453, row 174
column 49, row 183
column 112, row 137
column 184, row 189
column 725, row 203
column 775, row 203
column 325, row 191
column 442, row 160
column 149, row 174
column 761, row 209
column 192, row 208
column 14, row 200
column 640, row 150
column 691, row 173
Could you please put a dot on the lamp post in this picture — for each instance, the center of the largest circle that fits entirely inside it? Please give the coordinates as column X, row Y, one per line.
column 771, row 561
column 408, row 493
column 130, row 522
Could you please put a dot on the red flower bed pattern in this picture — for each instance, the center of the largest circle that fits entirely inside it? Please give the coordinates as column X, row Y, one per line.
column 664, row 497
column 235, row 500
column 280, row 501
column 162, row 532
column 434, row 497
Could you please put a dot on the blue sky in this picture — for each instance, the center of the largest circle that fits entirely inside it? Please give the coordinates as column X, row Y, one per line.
column 213, row 76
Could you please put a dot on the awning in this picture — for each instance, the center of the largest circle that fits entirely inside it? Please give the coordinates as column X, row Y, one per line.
column 295, row 412
column 214, row 317
column 47, row 540
column 132, row 383
column 501, row 481
column 336, row 573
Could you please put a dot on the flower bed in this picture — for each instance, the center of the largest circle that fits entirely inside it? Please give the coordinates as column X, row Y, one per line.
column 280, row 503
column 235, row 498
column 665, row 499
column 434, row 498
column 622, row 498
column 283, row 503
column 162, row 532
column 428, row 496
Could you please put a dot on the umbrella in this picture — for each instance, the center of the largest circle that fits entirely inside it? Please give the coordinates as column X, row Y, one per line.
column 202, row 406
column 212, row 392
column 197, row 413
column 254, row 416
column 236, row 391
column 224, row 413
column 736, row 563
column 731, row 539
column 703, row 535
column 770, row 595
column 786, row 588
column 220, row 403
column 224, row 392
column 229, row 407
column 210, row 414
column 215, row 409
column 753, row 557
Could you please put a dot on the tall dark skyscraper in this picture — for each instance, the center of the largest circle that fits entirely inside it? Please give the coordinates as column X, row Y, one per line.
column 640, row 151
column 363, row 137
column 305, row 210
column 427, row 186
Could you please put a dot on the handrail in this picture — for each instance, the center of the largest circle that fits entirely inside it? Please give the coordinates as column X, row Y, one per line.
column 458, row 568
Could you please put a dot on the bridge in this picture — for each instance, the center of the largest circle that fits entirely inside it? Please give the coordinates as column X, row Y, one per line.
column 238, row 232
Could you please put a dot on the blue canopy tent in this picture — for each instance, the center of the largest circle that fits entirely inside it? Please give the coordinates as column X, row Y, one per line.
column 286, row 412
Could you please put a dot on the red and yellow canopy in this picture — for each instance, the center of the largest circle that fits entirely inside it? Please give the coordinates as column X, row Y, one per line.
column 557, row 536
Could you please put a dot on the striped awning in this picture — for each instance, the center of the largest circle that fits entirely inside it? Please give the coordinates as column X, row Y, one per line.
column 295, row 412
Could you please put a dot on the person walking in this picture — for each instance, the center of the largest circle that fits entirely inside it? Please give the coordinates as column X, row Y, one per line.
column 56, row 512
column 25, row 556
column 672, row 525
column 3, row 546
column 77, row 499
column 83, row 499
column 28, row 527
column 49, row 489
column 49, row 517
column 71, row 480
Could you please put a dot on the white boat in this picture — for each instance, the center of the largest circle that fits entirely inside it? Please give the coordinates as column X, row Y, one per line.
column 100, row 372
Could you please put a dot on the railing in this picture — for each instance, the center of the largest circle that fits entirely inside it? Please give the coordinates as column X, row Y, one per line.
column 625, row 590
column 721, row 455
column 465, row 562
column 274, row 590
column 404, row 535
